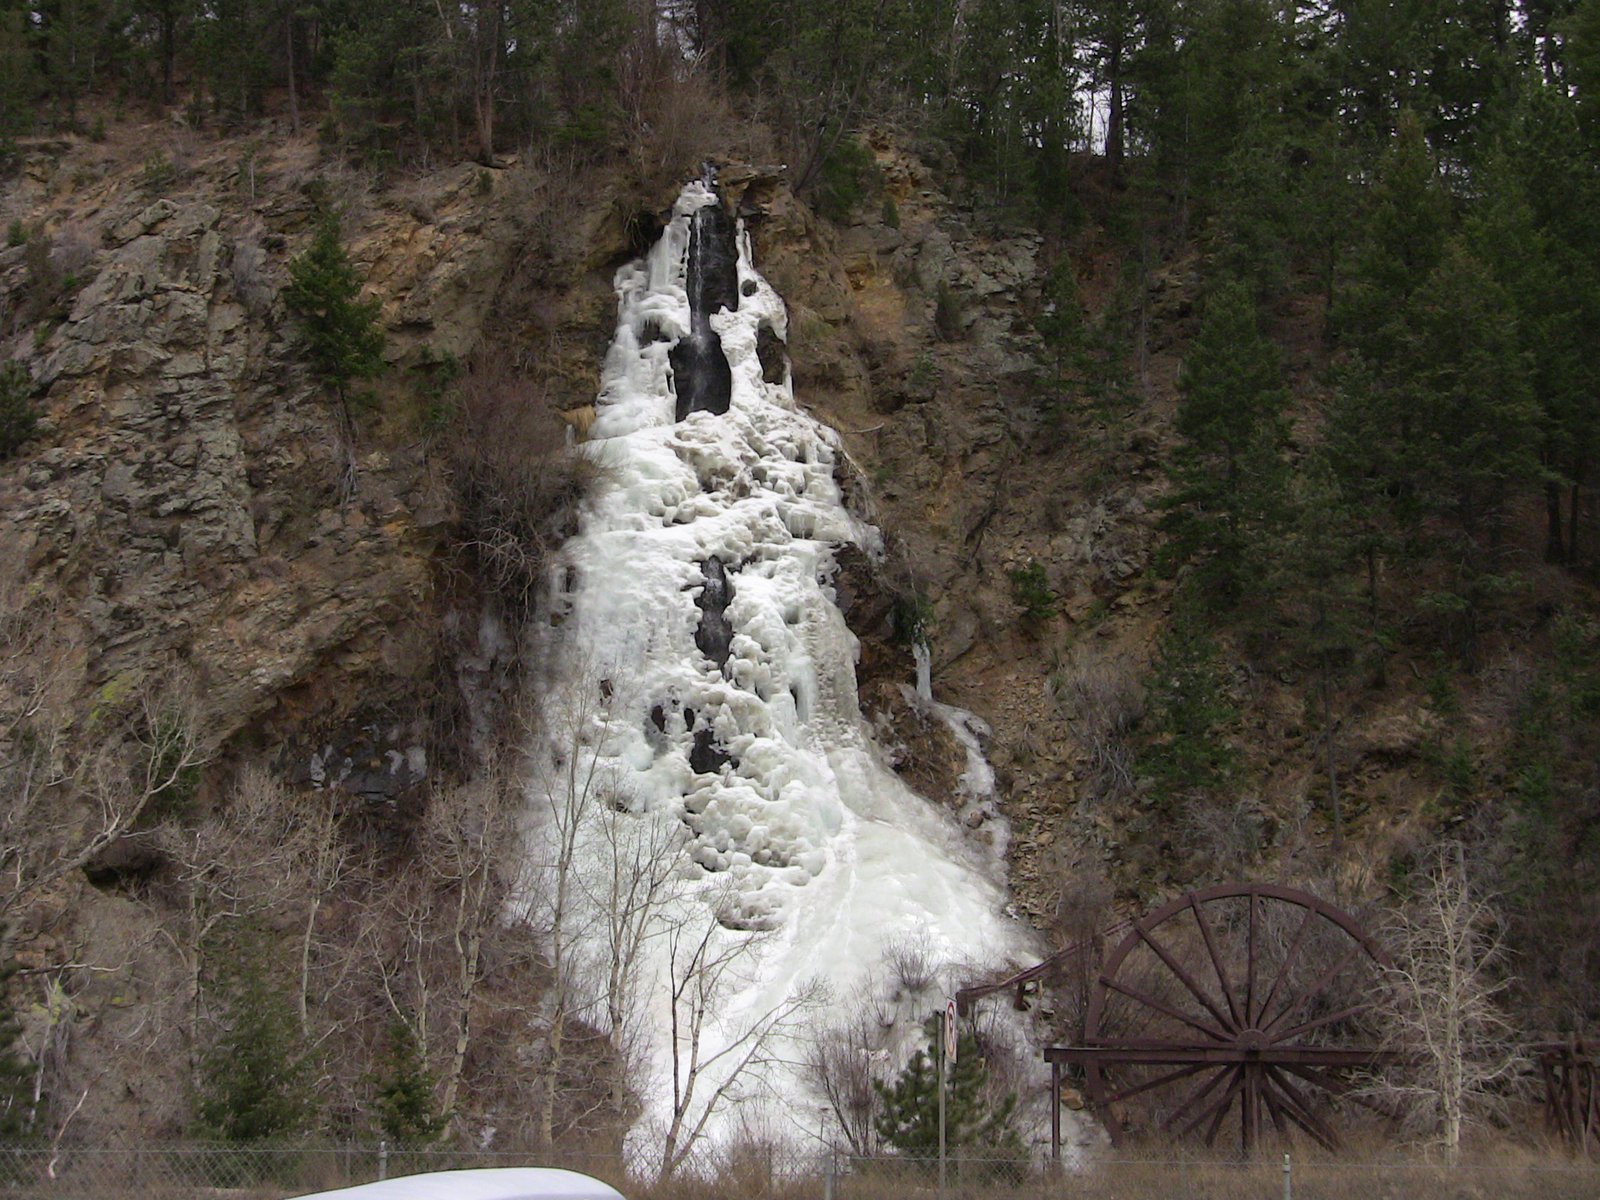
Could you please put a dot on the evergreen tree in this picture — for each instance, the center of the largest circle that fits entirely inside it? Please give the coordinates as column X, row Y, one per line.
column 1534, row 231
column 1472, row 449
column 1229, row 472
column 1325, row 535
column 407, row 1110
column 1360, row 448
column 1185, row 754
column 14, row 1092
column 1400, row 239
column 339, row 330
column 255, row 1080
column 17, row 83
column 976, row 1123
column 18, row 417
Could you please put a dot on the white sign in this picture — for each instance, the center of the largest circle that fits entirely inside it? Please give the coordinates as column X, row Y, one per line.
column 950, row 1030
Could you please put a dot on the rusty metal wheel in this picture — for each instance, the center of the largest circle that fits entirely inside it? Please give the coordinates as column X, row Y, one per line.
column 1231, row 1007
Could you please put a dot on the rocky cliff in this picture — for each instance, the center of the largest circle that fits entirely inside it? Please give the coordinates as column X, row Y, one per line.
column 194, row 507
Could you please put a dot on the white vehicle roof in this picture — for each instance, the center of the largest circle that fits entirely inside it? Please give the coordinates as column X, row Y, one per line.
column 493, row 1183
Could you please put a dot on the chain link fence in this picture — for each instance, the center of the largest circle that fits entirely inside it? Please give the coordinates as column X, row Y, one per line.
column 191, row 1171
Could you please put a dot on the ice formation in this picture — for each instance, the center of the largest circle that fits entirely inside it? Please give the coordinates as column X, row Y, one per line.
column 706, row 709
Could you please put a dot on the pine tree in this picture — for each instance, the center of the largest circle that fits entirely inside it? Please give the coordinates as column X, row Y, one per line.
column 1475, row 426
column 1400, row 238
column 17, row 83
column 18, row 418
column 1186, row 755
column 255, row 1080
column 977, row 1124
column 1229, row 472
column 339, row 330
column 1325, row 536
column 407, row 1110
column 14, row 1095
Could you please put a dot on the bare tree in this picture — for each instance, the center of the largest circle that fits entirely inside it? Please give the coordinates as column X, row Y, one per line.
column 470, row 844
column 842, row 1061
column 77, row 783
column 233, row 864
column 518, row 481
column 1443, row 1008
column 601, row 874
column 1102, row 700
column 712, row 1062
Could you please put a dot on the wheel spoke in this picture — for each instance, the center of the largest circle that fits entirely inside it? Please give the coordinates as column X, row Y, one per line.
column 1296, row 1101
column 1237, row 1087
column 1216, row 961
column 1160, row 1006
column 1200, row 1094
column 1183, row 976
column 1328, row 1019
column 1250, row 961
column 1293, row 1114
column 1276, row 1110
column 1288, row 959
column 1319, row 1077
column 1298, row 1002
column 1250, row 1108
column 1158, row 1081
column 1219, row 1106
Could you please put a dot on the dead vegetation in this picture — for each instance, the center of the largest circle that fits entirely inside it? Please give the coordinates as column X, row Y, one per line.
column 518, row 479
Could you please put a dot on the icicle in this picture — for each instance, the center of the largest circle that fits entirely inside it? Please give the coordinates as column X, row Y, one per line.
column 924, row 660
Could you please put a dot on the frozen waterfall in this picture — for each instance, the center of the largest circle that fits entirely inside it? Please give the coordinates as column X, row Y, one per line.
column 720, row 846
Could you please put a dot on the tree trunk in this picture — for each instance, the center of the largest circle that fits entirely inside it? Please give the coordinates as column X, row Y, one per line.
column 288, row 46
column 169, row 51
column 1114, row 110
column 1330, row 764
column 1555, row 550
column 1572, row 526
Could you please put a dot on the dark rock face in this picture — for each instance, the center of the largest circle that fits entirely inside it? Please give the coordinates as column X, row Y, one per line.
column 376, row 762
column 700, row 373
column 772, row 353
column 707, row 756
column 714, row 632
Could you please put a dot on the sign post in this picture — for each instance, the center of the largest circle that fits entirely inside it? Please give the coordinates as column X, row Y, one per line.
column 948, row 1056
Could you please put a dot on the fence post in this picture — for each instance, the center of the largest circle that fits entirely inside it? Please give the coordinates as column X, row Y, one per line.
column 1288, row 1179
column 383, row 1160
column 827, row 1179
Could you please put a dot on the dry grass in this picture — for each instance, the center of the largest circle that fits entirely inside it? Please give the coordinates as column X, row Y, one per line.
column 1511, row 1175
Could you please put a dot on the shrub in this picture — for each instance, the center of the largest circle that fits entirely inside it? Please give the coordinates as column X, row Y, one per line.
column 158, row 174
column 947, row 315
column 18, row 418
column 14, row 1075
column 518, row 481
column 1030, row 588
column 847, row 176
column 16, row 234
